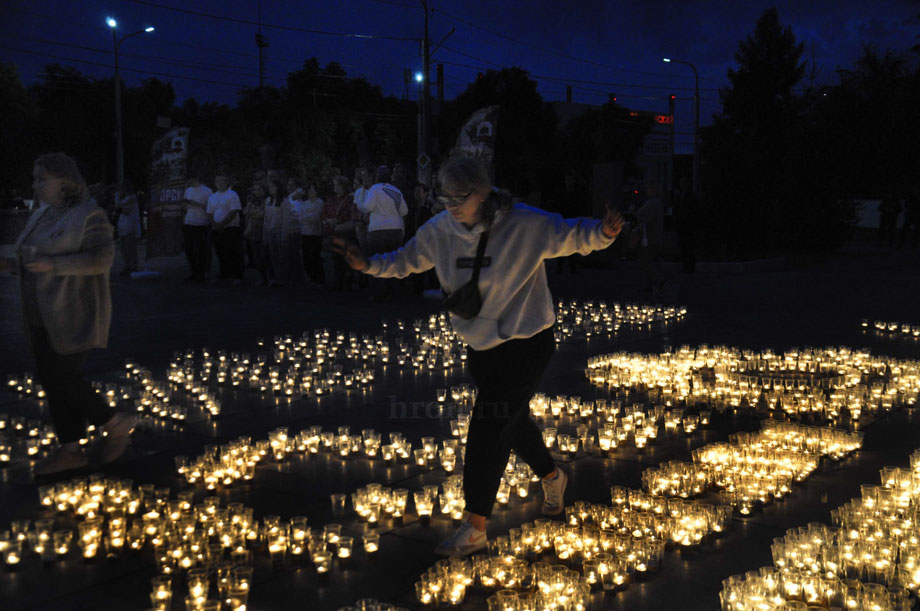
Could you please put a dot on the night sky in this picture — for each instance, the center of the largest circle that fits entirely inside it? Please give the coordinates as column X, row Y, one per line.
column 596, row 46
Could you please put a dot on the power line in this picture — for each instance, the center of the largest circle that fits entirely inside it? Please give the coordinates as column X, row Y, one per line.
column 582, row 81
column 275, row 26
column 545, row 49
column 149, row 72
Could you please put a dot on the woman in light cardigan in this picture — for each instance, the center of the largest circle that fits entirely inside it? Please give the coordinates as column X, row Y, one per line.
column 510, row 338
column 63, row 258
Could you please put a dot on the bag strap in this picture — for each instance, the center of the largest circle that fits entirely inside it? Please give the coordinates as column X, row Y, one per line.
column 480, row 251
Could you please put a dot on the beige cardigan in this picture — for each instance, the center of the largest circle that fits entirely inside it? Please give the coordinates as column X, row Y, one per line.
column 74, row 299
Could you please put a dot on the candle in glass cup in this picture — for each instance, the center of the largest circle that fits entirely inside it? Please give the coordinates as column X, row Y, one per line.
column 237, row 599
column 322, row 561
column 371, row 542
column 345, row 545
column 12, row 553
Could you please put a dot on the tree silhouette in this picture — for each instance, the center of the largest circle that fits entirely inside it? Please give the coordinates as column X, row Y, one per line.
column 764, row 171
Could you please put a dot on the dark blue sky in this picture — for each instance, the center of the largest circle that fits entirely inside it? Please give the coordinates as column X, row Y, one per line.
column 596, row 46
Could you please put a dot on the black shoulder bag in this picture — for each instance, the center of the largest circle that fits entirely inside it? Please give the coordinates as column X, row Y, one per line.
column 466, row 301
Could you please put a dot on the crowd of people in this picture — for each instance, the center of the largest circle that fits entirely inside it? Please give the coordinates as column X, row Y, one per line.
column 277, row 226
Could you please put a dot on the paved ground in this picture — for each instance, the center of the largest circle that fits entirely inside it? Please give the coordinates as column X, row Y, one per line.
column 817, row 304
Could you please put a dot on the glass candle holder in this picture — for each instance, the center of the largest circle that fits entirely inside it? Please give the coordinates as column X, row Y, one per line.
column 241, row 577
column 371, row 542
column 338, row 504
column 237, row 599
column 12, row 553
column 198, row 583
column 331, row 533
column 322, row 561
column 345, row 547
column 62, row 540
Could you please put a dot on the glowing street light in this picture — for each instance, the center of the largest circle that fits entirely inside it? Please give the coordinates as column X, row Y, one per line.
column 419, row 77
column 119, row 141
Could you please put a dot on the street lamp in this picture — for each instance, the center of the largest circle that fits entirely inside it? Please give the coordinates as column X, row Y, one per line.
column 696, row 123
column 119, row 144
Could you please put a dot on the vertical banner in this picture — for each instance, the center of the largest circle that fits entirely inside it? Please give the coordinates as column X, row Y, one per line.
column 165, row 212
column 477, row 136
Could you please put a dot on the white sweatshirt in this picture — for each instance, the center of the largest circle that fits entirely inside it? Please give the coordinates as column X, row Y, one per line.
column 516, row 302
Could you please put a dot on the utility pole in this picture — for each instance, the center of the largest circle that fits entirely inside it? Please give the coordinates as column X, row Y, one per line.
column 671, row 100
column 261, row 43
column 424, row 158
column 696, row 122
column 119, row 135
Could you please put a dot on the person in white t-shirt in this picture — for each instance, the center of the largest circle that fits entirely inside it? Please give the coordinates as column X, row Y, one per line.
column 311, row 235
column 224, row 214
column 362, row 184
column 195, row 229
column 129, row 225
column 385, row 229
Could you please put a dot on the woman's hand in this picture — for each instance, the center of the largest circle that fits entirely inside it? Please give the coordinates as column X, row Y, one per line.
column 350, row 252
column 40, row 264
column 612, row 223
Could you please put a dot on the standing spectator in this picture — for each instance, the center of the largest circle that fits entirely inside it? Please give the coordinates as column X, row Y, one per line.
column 889, row 209
column 687, row 213
column 63, row 258
column 272, row 238
column 338, row 220
column 290, row 229
column 255, row 220
column 129, row 225
column 362, row 186
column 507, row 326
column 195, row 228
column 310, row 213
column 911, row 219
column 386, row 206
column 224, row 214
column 651, row 226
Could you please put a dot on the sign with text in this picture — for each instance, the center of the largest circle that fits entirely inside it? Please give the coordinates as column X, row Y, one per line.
column 168, row 175
column 656, row 146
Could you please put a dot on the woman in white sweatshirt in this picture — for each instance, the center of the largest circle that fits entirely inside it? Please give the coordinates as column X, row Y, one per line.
column 510, row 339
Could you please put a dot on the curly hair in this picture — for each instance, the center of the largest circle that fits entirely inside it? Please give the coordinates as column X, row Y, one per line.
column 61, row 165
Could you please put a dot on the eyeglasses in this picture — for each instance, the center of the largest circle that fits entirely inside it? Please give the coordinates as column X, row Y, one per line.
column 452, row 201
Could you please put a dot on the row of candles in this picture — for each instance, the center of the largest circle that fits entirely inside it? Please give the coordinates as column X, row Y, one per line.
column 603, row 425
column 892, row 329
column 834, row 385
column 201, row 543
column 575, row 319
column 868, row 560
column 224, row 465
column 752, row 469
column 598, row 547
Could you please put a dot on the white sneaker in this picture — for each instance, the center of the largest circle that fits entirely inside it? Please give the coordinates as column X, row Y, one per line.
column 554, row 492
column 465, row 541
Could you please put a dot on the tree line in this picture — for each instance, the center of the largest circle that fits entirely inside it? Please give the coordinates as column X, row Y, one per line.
column 781, row 161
